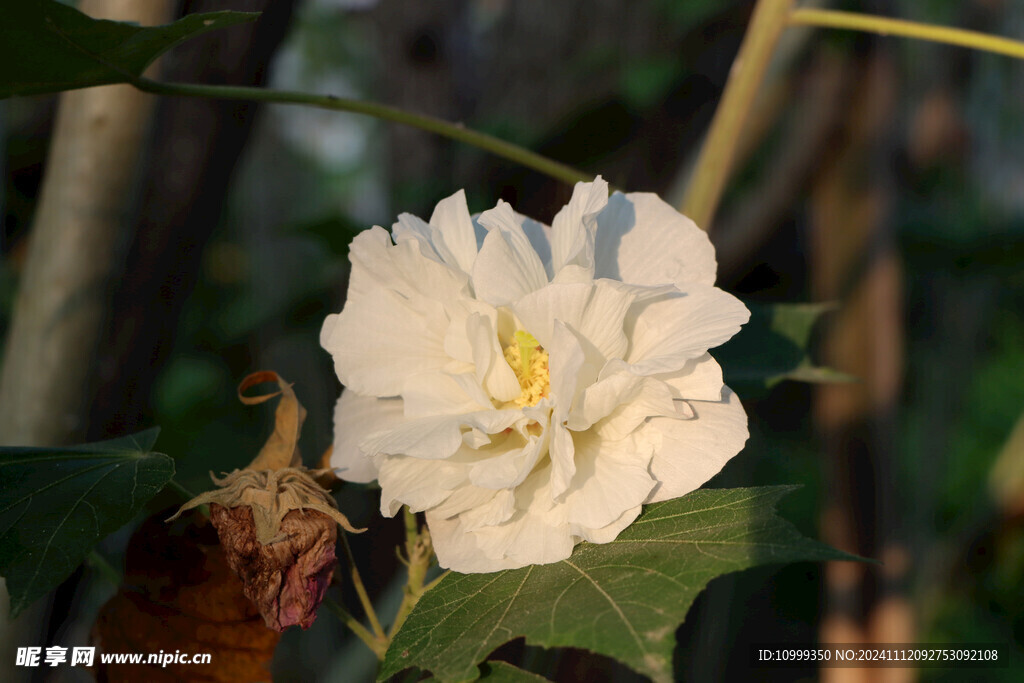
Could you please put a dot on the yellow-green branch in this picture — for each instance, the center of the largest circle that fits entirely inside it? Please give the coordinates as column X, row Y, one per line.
column 908, row 29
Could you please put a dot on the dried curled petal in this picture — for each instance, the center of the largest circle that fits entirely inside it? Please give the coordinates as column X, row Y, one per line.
column 278, row 529
column 286, row 579
column 271, row 494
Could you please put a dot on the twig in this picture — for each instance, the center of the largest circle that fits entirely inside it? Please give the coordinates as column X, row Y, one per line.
column 419, row 554
column 455, row 131
column 378, row 645
column 908, row 29
column 364, row 597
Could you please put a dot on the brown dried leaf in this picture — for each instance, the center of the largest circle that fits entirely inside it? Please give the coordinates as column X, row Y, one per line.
column 181, row 594
column 281, row 449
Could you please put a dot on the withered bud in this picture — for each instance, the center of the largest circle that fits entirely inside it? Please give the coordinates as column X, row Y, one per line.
column 278, row 529
column 285, row 579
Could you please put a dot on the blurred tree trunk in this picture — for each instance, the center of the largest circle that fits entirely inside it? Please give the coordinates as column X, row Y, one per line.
column 63, row 294
column 197, row 143
column 855, row 261
column 62, row 298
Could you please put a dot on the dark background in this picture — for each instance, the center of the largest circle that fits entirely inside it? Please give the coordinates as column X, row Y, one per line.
column 883, row 174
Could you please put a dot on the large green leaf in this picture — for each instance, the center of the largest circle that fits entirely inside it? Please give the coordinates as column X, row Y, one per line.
column 623, row 599
column 773, row 347
column 503, row 672
column 46, row 46
column 56, row 503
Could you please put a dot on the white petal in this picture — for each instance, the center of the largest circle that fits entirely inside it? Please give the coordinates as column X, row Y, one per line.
column 699, row 380
column 573, row 273
column 355, row 416
column 601, row 398
column 404, row 268
column 650, row 398
column 463, row 499
column 536, row 534
column 492, row 369
column 602, row 324
column 596, row 311
column 511, row 464
column 572, row 230
column 564, row 362
column 532, row 540
column 457, row 343
column 693, row 451
column 454, row 226
column 495, row 511
column 642, row 240
column 507, row 266
column 379, row 340
column 420, row 484
column 435, row 438
column 442, row 394
column 539, row 236
column 563, row 459
column 667, row 332
column 539, row 310
column 388, row 330
column 609, row 533
column 611, row 478
column 409, row 227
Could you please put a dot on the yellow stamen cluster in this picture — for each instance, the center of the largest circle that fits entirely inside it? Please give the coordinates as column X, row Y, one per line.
column 529, row 361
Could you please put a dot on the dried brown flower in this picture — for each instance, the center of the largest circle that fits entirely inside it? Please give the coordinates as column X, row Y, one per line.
column 276, row 521
column 286, row 579
column 278, row 529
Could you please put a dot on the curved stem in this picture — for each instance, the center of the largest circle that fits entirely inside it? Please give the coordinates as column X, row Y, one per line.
column 714, row 164
column 378, row 645
column 908, row 29
column 104, row 568
column 455, row 131
column 364, row 597
column 185, row 494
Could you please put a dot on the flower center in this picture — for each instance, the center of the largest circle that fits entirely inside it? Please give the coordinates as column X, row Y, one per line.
column 529, row 361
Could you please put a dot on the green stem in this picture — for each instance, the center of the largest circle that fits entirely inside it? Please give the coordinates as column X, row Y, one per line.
column 104, row 568
column 419, row 553
column 907, row 29
column 185, row 494
column 364, row 597
column 378, row 645
column 718, row 153
column 412, row 530
column 455, row 131
column 437, row 580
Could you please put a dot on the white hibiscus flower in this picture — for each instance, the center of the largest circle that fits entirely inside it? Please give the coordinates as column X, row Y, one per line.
column 530, row 387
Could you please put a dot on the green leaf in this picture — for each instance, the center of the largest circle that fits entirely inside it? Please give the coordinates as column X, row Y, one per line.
column 622, row 599
column 773, row 347
column 503, row 672
column 56, row 503
column 46, row 46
